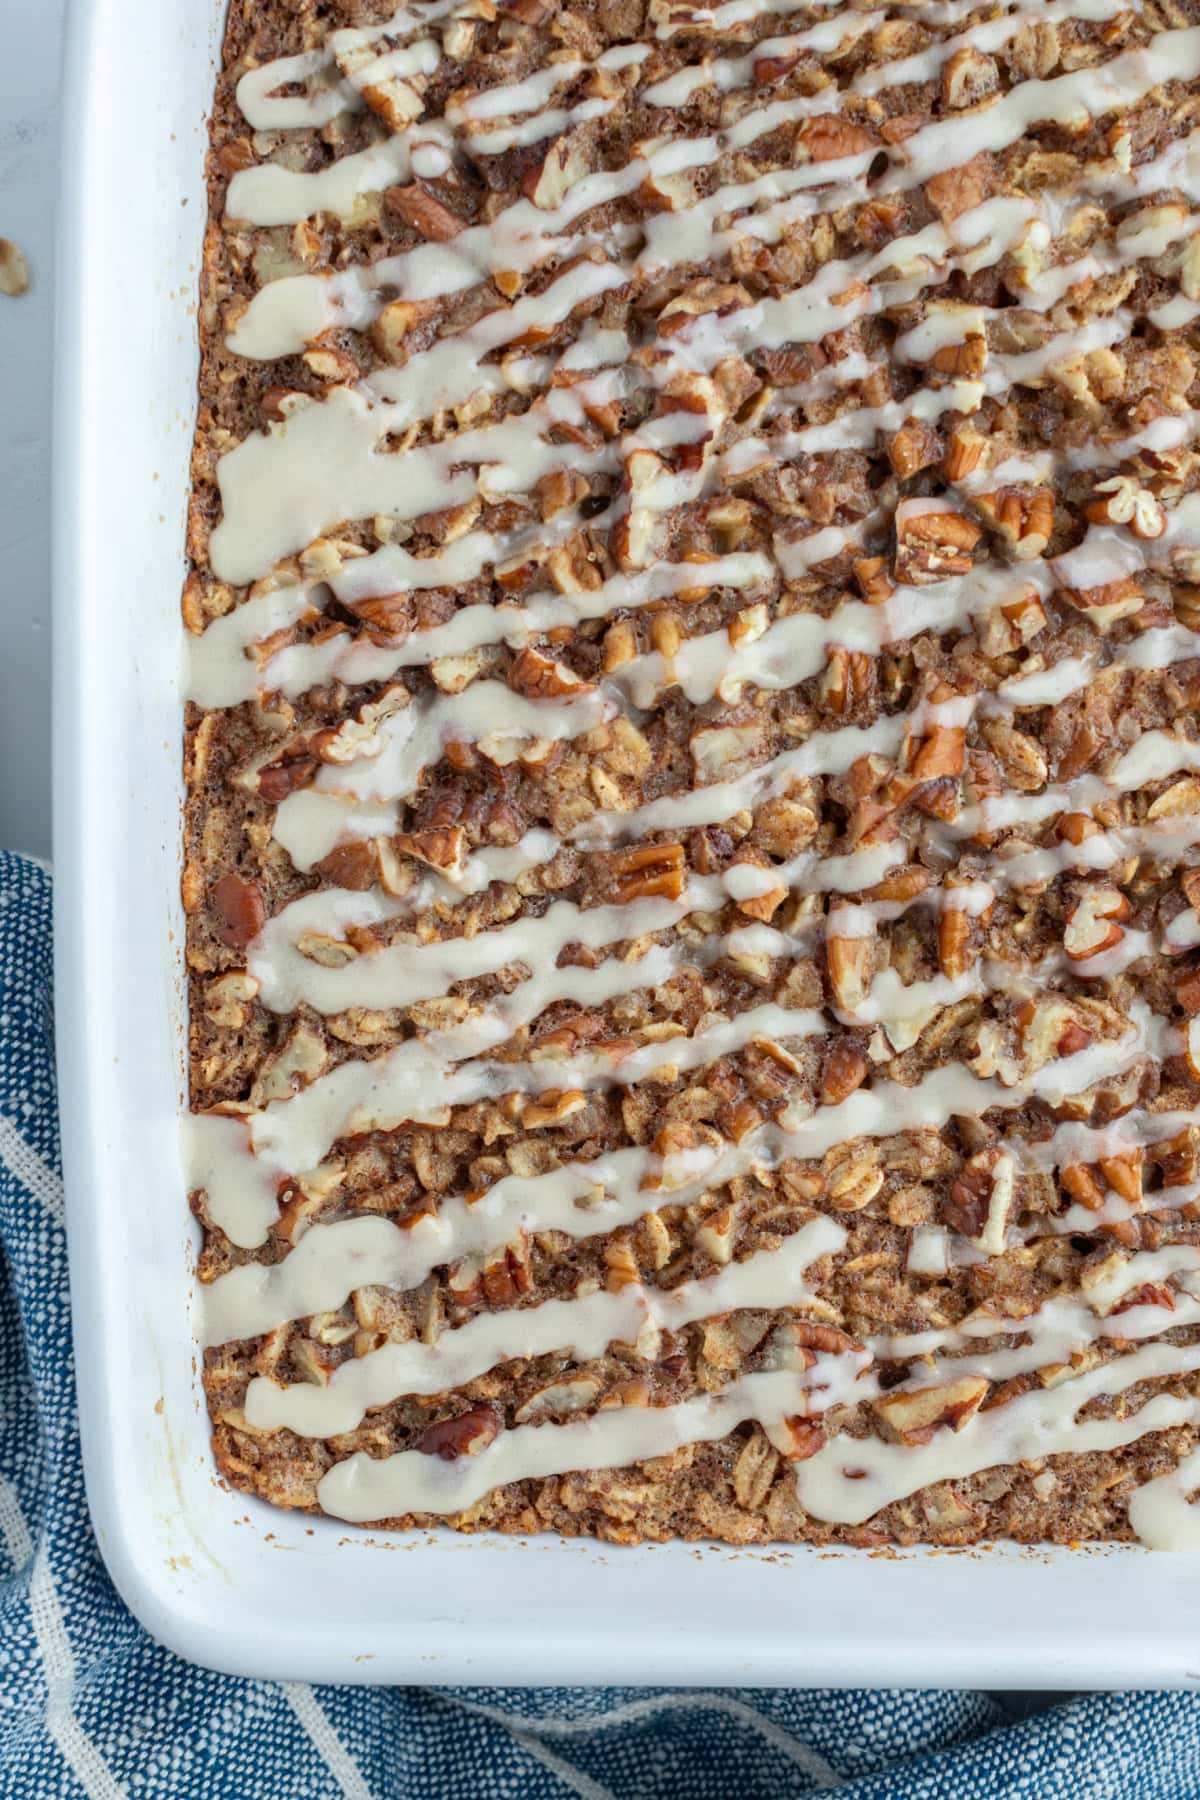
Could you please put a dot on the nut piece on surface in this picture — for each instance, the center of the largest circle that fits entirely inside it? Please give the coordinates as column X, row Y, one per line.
column 1103, row 606
column 423, row 211
column 722, row 751
column 227, row 1000
column 241, row 911
column 932, row 543
column 980, row 1199
column 299, row 1062
column 466, row 1435
column 1092, row 923
column 542, row 678
column 914, row 1417
column 845, row 1070
column 850, row 962
column 873, row 578
column 913, row 448
column 555, row 173
column 1123, row 501
column 650, row 871
column 969, row 77
column 1023, row 520
column 14, row 270
column 573, row 1394
column 446, row 851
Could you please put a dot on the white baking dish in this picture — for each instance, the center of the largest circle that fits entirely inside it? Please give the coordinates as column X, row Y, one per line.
column 219, row 1578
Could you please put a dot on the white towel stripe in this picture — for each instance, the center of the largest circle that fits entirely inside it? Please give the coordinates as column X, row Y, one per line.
column 24, row 1162
column 583, row 1785
column 45, row 1614
column 319, row 1726
column 523, row 1731
column 810, row 1761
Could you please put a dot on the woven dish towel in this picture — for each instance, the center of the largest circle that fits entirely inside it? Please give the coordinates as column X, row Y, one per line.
column 89, row 1705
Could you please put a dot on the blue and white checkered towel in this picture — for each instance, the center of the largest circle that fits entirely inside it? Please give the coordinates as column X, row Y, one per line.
column 89, row 1705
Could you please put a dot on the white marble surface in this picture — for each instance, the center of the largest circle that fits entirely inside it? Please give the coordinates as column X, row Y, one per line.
column 30, row 31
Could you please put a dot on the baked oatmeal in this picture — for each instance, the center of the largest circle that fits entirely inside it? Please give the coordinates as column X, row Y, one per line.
column 693, row 835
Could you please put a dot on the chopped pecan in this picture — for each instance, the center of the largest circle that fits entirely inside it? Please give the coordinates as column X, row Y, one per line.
column 1020, row 756
column 845, row 1070
column 1180, row 800
column 980, row 1199
column 553, row 1108
column 393, row 328
column 702, row 296
column 956, row 953
column 964, row 452
column 542, row 678
column 849, row 679
column 716, row 1234
column 423, row 211
column 652, row 869
column 445, row 850
column 559, row 490
column 1123, row 501
column 1081, row 1184
column 466, row 1435
column 956, row 191
column 913, row 448
column 829, row 137
column 874, row 579
column 293, row 769
column 722, row 751
column 1092, row 925
column 932, row 544
column 573, row 1394
column 966, row 359
column 1150, row 1293
column 1022, row 517
column 797, row 1438
column 1124, row 1174
column 853, row 1175
column 941, row 752
column 968, row 77
column 330, row 364
column 850, row 963
column 768, row 69
column 350, row 865
column 913, row 1416
column 240, row 908
column 1103, row 606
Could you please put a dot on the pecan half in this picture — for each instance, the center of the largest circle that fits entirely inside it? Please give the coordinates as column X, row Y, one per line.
column 845, row 1070
column 240, row 908
column 293, row 769
column 466, row 1435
